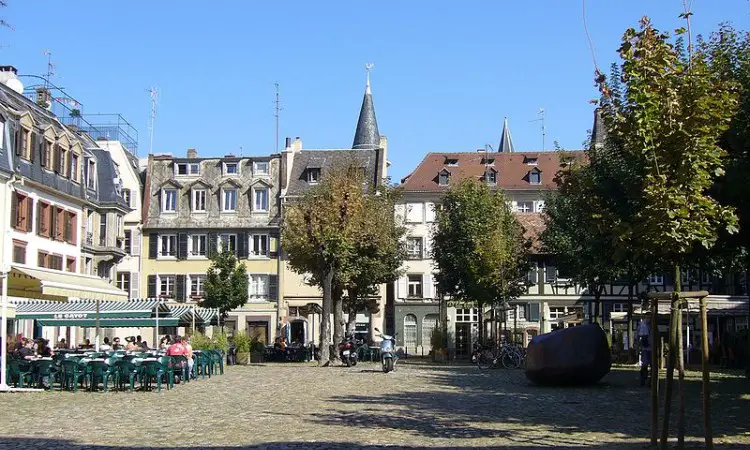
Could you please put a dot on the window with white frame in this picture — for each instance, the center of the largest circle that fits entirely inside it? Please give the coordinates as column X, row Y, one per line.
column 260, row 199
column 415, row 285
column 524, row 207
column 415, row 212
column 540, row 206
column 556, row 312
column 231, row 168
column 429, row 323
column 126, row 196
column 260, row 168
column 535, row 177
column 313, row 175
column 91, row 175
column 166, row 286
column 414, row 247
column 227, row 242
column 169, row 200
column 194, row 168
column 229, row 200
column 410, row 331
column 491, row 177
column 196, row 285
column 197, row 245
column 167, row 245
column 258, row 245
column 467, row 314
column 181, row 169
column 123, row 281
column 444, row 178
column 619, row 307
column 656, row 279
column 199, row 200
column 258, row 287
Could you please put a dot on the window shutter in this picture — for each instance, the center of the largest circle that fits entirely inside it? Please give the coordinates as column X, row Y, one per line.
column 153, row 246
column 182, row 246
column 273, row 287
column 179, row 289
column 531, row 274
column 135, row 242
column 32, row 147
column 427, row 286
column 74, row 228
column 134, row 284
column 53, row 222
column 67, row 232
column 274, row 242
column 13, row 210
column 42, row 153
column 152, row 286
column 533, row 314
column 402, row 287
column 55, row 157
column 29, row 214
column 242, row 245
column 39, row 218
column 550, row 274
column 19, row 132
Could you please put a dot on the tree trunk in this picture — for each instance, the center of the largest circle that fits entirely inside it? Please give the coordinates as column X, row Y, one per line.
column 706, row 377
column 747, row 292
column 325, row 319
column 673, row 352
column 654, row 373
column 338, row 320
column 681, row 384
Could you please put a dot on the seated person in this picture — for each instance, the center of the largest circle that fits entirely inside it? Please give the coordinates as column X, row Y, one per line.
column 43, row 349
column 104, row 347
column 62, row 343
column 116, row 344
column 177, row 349
column 131, row 345
column 144, row 346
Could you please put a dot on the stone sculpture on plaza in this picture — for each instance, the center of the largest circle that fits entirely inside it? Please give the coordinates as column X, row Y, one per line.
column 571, row 356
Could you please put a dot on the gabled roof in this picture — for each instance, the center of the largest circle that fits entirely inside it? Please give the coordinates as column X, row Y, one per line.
column 171, row 182
column 264, row 181
column 231, row 181
column 200, row 182
column 512, row 169
column 326, row 160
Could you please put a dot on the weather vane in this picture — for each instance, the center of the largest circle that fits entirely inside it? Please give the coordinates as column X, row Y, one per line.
column 368, row 68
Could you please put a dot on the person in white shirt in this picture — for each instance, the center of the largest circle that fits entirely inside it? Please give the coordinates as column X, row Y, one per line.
column 643, row 336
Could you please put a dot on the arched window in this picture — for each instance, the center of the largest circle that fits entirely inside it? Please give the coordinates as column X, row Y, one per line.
column 428, row 325
column 410, row 331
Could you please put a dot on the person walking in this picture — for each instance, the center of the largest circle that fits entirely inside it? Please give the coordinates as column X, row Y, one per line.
column 644, row 342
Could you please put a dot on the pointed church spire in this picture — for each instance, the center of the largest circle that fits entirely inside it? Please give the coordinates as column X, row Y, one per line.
column 367, row 135
column 506, row 143
column 598, row 132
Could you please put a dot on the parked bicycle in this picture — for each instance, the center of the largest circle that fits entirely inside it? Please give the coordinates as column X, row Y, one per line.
column 509, row 355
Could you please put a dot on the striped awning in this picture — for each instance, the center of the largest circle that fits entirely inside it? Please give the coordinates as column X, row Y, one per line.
column 27, row 282
column 86, row 309
column 185, row 313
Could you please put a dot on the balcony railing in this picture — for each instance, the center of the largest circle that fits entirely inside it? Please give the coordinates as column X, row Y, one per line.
column 89, row 238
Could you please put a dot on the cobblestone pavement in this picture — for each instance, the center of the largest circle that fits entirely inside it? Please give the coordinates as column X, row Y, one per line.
column 299, row 406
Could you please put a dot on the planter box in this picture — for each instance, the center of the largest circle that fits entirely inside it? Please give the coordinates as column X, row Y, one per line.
column 242, row 358
column 256, row 357
column 439, row 356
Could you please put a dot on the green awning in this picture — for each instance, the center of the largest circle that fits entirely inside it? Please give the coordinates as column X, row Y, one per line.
column 86, row 309
column 114, row 322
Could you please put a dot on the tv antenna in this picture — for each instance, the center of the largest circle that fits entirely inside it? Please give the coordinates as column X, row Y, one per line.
column 50, row 68
column 277, row 114
column 542, row 116
column 154, row 94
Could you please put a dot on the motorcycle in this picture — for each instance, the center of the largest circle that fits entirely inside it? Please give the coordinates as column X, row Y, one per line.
column 388, row 355
column 348, row 351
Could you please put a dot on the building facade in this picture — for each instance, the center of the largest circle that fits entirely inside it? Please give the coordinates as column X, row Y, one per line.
column 194, row 207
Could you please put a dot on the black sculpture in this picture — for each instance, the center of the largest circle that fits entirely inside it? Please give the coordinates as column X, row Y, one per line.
column 571, row 356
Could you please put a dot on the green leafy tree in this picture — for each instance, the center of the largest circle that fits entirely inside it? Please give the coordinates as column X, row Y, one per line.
column 226, row 286
column 665, row 127
column 479, row 247
column 377, row 257
column 319, row 237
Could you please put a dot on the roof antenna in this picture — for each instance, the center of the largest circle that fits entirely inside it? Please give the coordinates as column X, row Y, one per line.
column 50, row 68
column 542, row 115
column 277, row 115
column 154, row 93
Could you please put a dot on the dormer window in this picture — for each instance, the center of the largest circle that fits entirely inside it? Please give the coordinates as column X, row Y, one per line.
column 231, row 168
column 180, row 169
column 451, row 162
column 535, row 176
column 194, row 168
column 260, row 168
column 488, row 161
column 229, row 200
column 313, row 175
column 530, row 160
column 444, row 178
column 491, row 177
column 199, row 200
column 169, row 200
column 91, row 175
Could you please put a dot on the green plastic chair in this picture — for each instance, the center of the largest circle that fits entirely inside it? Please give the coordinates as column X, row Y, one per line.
column 20, row 370
column 97, row 371
column 125, row 371
column 180, row 365
column 217, row 360
column 44, row 369
column 73, row 372
column 203, row 364
column 168, row 364
column 153, row 370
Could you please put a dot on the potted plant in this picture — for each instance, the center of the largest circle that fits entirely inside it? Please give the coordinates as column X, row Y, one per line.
column 242, row 344
column 257, row 350
column 438, row 341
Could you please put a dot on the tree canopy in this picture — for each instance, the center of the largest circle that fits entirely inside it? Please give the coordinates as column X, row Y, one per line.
column 226, row 286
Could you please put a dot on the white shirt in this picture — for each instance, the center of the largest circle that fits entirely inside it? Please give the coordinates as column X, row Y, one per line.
column 643, row 329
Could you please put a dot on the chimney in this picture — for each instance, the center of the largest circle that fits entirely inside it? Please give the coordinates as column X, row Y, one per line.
column 287, row 143
column 297, row 144
column 192, row 153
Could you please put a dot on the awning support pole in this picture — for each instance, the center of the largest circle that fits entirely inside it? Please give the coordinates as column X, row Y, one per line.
column 156, row 329
column 4, row 333
column 193, row 319
column 98, row 307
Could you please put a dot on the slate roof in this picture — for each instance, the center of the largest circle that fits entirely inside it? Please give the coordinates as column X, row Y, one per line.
column 512, row 169
column 107, row 192
column 506, row 143
column 326, row 160
column 367, row 135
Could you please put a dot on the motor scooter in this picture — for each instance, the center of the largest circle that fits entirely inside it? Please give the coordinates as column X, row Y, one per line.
column 348, row 351
column 388, row 355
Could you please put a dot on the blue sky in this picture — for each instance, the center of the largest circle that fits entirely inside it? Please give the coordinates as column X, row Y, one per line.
column 446, row 72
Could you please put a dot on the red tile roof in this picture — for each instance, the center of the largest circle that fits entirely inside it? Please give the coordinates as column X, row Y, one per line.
column 512, row 168
column 533, row 224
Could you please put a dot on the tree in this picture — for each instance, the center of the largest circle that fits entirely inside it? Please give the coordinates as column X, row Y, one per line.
column 577, row 233
column 226, row 284
column 665, row 127
column 319, row 233
column 377, row 257
column 479, row 248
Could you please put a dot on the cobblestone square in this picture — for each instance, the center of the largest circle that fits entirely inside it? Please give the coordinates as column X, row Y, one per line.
column 300, row 406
